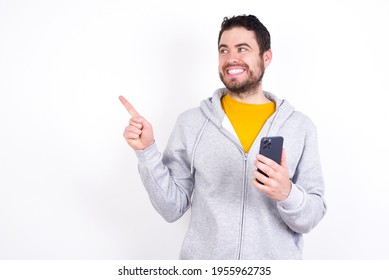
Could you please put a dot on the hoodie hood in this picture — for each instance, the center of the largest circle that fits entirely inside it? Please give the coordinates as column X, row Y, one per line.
column 212, row 109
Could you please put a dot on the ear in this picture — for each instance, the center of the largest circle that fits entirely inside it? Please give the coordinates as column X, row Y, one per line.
column 267, row 56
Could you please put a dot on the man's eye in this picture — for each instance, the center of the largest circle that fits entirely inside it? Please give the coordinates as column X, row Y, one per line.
column 223, row 51
column 242, row 49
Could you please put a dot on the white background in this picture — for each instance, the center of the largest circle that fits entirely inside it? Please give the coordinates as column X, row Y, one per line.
column 69, row 186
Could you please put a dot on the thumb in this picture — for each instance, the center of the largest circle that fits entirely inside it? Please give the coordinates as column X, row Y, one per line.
column 140, row 120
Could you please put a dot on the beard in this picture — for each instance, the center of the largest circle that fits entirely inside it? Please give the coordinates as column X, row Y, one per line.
column 246, row 87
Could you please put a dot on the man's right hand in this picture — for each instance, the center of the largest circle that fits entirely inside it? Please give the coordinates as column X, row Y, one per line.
column 139, row 133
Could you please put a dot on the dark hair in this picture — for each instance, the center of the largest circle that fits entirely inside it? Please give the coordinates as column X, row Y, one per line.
column 249, row 22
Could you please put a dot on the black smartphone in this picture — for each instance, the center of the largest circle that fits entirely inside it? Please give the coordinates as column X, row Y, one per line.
column 271, row 147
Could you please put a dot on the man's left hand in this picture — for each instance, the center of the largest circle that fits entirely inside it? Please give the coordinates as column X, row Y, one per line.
column 277, row 185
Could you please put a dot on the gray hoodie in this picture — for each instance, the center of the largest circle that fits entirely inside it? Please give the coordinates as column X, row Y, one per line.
column 205, row 167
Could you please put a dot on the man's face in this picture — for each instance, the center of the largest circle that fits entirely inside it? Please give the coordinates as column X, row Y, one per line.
column 241, row 67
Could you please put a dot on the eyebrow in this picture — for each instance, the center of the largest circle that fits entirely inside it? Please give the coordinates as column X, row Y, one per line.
column 236, row 46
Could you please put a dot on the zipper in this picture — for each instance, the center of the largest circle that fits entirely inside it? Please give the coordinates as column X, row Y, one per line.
column 243, row 209
column 244, row 193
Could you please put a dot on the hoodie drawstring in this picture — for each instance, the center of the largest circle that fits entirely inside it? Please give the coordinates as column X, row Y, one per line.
column 274, row 119
column 196, row 144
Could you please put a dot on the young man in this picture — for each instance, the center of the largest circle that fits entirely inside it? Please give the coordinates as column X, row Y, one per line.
column 211, row 160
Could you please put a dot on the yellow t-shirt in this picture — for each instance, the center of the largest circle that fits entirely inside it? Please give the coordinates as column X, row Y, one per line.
column 247, row 119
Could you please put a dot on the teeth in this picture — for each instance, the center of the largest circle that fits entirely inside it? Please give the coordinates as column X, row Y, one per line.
column 235, row 71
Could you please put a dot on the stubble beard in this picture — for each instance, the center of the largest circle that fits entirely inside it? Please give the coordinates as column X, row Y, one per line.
column 247, row 87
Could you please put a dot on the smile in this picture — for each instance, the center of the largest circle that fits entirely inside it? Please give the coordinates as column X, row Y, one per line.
column 235, row 71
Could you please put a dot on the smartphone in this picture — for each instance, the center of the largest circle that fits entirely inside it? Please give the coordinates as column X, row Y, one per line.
column 271, row 147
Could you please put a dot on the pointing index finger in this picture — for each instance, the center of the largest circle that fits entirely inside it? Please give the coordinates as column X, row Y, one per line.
column 129, row 107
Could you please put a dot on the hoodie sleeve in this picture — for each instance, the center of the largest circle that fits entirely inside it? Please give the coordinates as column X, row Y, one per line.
column 305, row 205
column 167, row 178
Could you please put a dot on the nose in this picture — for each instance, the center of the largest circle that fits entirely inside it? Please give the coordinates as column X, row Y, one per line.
column 232, row 57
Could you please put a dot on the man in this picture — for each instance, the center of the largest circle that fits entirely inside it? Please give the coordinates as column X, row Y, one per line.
column 208, row 162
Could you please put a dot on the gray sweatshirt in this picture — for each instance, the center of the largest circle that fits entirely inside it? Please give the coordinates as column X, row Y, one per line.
column 205, row 167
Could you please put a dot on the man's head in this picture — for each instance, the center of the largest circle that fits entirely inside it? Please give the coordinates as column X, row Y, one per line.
column 249, row 22
column 244, row 53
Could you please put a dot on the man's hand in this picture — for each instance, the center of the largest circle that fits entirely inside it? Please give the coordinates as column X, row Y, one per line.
column 139, row 133
column 277, row 186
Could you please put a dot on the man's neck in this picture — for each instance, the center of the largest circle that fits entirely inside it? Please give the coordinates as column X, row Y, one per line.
column 257, row 97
